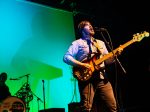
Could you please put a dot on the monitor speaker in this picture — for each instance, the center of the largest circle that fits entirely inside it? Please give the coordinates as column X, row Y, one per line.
column 74, row 107
column 53, row 110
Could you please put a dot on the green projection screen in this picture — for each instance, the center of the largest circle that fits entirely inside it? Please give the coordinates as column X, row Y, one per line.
column 33, row 40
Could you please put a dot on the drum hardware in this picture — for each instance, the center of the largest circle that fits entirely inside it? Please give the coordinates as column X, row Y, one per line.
column 25, row 93
column 38, row 99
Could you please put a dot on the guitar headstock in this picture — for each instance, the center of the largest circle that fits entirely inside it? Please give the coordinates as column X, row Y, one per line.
column 139, row 36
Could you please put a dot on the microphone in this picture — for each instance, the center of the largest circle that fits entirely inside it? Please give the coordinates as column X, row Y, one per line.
column 13, row 79
column 100, row 29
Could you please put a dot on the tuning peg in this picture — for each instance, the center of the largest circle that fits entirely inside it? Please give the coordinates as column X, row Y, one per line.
column 146, row 34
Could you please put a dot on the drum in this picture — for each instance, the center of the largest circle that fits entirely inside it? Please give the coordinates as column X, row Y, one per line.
column 12, row 104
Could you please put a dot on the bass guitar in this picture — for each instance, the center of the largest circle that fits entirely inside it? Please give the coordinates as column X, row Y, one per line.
column 84, row 74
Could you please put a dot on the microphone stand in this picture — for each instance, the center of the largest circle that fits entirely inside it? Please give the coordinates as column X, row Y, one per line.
column 27, row 75
column 111, row 48
column 120, row 64
column 38, row 99
column 43, row 94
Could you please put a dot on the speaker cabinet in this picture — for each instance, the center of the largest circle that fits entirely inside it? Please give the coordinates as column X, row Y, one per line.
column 74, row 107
column 53, row 110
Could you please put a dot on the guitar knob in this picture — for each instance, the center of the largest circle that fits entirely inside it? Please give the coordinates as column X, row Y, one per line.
column 85, row 78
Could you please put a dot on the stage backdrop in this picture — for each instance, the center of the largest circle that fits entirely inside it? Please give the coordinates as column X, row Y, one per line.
column 33, row 40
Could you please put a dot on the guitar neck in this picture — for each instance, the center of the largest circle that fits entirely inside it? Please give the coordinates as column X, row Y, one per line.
column 105, row 57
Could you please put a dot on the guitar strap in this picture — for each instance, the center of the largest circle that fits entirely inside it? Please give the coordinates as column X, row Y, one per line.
column 97, row 46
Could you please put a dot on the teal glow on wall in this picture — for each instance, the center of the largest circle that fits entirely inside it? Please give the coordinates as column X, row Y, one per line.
column 33, row 40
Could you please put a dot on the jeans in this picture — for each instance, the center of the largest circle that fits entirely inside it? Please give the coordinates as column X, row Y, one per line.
column 99, row 91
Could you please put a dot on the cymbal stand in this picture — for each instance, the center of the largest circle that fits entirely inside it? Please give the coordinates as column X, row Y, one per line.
column 27, row 88
column 38, row 99
column 25, row 93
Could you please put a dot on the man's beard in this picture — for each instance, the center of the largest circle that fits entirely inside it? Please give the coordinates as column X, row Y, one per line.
column 92, row 33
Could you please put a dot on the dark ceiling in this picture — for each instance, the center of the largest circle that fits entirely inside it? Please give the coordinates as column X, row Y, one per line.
column 85, row 6
column 96, row 7
column 105, row 12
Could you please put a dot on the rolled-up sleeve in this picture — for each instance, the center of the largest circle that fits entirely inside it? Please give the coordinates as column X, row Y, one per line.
column 71, row 52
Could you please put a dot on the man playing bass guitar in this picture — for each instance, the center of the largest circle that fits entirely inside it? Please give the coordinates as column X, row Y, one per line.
column 91, row 77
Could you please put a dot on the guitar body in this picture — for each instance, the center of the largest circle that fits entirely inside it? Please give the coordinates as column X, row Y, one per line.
column 84, row 74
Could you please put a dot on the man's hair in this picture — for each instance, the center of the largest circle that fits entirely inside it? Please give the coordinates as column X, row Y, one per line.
column 3, row 76
column 81, row 25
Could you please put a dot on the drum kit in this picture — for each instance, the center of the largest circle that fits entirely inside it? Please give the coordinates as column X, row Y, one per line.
column 20, row 101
